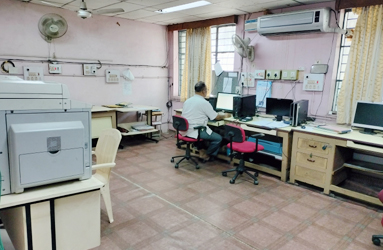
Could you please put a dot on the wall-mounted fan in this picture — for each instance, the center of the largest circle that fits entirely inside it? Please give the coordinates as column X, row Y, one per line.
column 243, row 48
column 83, row 12
column 52, row 26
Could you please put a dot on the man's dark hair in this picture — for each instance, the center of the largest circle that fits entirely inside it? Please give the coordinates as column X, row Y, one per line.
column 199, row 86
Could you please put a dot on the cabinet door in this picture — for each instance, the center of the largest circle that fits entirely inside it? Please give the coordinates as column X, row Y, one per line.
column 77, row 221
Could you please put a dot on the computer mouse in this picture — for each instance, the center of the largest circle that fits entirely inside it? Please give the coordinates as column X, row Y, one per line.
column 303, row 126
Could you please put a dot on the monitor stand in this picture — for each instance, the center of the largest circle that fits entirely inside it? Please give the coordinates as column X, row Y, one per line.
column 367, row 131
column 278, row 118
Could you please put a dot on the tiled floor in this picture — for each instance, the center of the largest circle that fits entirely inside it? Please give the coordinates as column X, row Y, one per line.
column 156, row 206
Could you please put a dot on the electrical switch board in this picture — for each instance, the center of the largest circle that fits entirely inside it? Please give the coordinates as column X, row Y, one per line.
column 112, row 75
column 89, row 69
column 290, row 75
column 259, row 74
column 313, row 82
column 54, row 68
column 33, row 73
column 273, row 74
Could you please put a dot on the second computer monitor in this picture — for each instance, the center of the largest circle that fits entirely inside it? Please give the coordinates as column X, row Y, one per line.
column 225, row 101
column 249, row 105
column 278, row 107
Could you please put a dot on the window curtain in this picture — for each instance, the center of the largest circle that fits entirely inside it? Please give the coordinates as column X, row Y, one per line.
column 364, row 71
column 197, row 65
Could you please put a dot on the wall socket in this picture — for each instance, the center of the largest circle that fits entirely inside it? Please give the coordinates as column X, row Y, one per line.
column 89, row 69
column 289, row 75
column 273, row 74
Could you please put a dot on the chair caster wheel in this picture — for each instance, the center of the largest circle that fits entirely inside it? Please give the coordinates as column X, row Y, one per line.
column 171, row 160
column 197, row 167
column 176, row 166
column 224, row 174
column 376, row 241
column 232, row 181
column 255, row 182
column 256, row 174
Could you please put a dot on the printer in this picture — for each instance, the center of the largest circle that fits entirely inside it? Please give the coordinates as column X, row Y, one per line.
column 44, row 135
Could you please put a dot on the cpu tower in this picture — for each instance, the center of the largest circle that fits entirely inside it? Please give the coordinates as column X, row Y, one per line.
column 213, row 101
column 237, row 107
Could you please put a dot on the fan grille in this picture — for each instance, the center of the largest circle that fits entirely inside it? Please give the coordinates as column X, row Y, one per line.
column 52, row 26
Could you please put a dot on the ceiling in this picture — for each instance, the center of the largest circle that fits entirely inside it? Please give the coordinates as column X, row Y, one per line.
column 144, row 10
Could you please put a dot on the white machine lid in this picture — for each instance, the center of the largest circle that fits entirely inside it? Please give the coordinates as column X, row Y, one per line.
column 15, row 87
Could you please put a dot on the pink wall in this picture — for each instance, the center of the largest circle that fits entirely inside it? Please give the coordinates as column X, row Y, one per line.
column 139, row 46
column 292, row 52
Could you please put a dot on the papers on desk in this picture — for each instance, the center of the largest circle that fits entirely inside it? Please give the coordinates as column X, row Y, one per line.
column 142, row 127
column 269, row 124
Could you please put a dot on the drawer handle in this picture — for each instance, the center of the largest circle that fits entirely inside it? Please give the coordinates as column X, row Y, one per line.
column 312, row 146
column 310, row 160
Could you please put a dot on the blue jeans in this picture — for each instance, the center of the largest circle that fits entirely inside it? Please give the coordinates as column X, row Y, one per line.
column 215, row 142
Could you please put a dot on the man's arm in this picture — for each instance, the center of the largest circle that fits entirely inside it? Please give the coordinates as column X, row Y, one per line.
column 221, row 116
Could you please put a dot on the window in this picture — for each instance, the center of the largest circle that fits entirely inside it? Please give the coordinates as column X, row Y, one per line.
column 222, row 49
column 181, row 57
column 349, row 23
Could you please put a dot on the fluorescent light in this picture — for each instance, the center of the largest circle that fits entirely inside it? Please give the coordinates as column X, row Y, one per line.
column 184, row 7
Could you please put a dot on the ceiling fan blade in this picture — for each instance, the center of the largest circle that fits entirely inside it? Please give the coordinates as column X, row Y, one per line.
column 108, row 11
column 51, row 4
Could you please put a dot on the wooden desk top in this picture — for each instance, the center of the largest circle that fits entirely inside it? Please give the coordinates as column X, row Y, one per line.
column 49, row 191
column 134, row 107
column 355, row 135
column 101, row 109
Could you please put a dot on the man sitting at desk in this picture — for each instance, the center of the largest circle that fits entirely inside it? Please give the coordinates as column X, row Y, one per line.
column 198, row 111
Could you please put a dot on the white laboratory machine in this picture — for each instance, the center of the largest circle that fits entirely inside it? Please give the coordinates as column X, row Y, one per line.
column 44, row 136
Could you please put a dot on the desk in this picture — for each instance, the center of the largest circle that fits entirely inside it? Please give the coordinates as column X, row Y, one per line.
column 283, row 133
column 281, row 171
column 128, row 126
column 330, row 161
column 102, row 118
column 59, row 216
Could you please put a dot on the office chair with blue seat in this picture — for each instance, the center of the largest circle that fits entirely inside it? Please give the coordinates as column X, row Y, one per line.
column 238, row 148
column 181, row 124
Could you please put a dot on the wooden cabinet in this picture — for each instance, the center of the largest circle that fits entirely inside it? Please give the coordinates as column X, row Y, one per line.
column 312, row 159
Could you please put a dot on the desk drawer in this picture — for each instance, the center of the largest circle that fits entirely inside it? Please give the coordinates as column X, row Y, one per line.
column 310, row 175
column 312, row 145
column 311, row 160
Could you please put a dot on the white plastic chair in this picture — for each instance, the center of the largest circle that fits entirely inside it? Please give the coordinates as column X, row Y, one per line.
column 106, row 150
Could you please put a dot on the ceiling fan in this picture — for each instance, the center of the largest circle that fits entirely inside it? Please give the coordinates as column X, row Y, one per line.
column 83, row 12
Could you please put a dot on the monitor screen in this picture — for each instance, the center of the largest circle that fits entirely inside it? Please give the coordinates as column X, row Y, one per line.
column 225, row 101
column 278, row 107
column 368, row 115
column 249, row 104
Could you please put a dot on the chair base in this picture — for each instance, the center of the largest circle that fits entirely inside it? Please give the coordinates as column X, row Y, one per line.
column 186, row 156
column 240, row 169
column 376, row 239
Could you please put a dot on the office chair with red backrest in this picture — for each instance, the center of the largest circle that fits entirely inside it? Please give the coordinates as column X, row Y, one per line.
column 239, row 147
column 181, row 124
column 376, row 238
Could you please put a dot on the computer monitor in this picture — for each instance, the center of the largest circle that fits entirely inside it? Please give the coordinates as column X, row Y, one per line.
column 249, row 103
column 225, row 101
column 278, row 107
column 369, row 116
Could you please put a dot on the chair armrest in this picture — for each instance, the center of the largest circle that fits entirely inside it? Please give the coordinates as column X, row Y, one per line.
column 103, row 165
column 257, row 135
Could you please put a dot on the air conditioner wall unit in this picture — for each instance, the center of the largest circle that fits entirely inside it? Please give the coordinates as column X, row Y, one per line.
column 317, row 20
